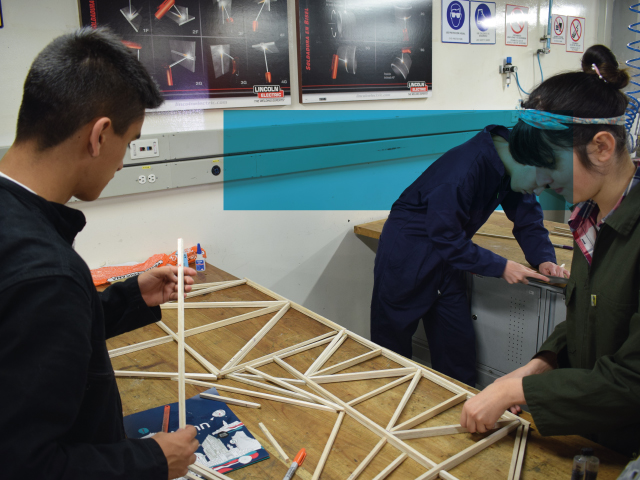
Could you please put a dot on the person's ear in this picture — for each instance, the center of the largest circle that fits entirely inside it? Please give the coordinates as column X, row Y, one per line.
column 97, row 135
column 603, row 147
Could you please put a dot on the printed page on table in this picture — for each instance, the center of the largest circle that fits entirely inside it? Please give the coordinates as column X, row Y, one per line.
column 225, row 443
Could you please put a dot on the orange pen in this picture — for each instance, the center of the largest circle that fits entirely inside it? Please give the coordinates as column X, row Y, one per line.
column 302, row 454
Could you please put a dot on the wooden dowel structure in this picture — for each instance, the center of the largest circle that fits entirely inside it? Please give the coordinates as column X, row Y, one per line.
column 367, row 460
column 258, row 377
column 230, row 401
column 432, row 412
column 380, row 390
column 275, row 444
column 350, row 377
column 135, row 373
column 516, row 450
column 362, row 419
column 324, row 356
column 523, row 446
column 405, row 398
column 196, row 305
column 440, row 430
column 460, row 457
column 266, row 396
column 182, row 413
column 350, row 363
column 294, row 388
column 328, row 447
column 266, row 386
column 391, row 467
column 285, row 352
column 199, row 358
column 256, row 338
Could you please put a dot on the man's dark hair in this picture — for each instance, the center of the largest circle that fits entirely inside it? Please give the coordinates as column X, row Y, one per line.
column 79, row 77
column 578, row 94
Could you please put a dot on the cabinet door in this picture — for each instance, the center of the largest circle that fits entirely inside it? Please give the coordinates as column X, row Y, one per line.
column 506, row 322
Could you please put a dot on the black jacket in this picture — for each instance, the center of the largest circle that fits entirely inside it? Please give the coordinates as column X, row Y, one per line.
column 60, row 410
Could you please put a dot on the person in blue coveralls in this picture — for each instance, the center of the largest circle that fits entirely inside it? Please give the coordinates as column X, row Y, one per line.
column 426, row 248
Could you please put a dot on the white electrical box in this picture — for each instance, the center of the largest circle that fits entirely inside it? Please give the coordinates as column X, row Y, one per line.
column 144, row 148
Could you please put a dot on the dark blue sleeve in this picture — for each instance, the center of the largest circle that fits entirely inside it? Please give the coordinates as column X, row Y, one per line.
column 448, row 209
column 526, row 214
column 124, row 308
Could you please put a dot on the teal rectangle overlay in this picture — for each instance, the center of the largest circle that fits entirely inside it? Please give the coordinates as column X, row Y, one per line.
column 337, row 160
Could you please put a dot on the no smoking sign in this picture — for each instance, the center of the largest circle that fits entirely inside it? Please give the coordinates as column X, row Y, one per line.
column 517, row 26
column 575, row 39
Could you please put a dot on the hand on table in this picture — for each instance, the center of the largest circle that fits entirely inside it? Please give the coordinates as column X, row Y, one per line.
column 543, row 362
column 550, row 268
column 516, row 273
column 179, row 447
column 480, row 413
column 160, row 285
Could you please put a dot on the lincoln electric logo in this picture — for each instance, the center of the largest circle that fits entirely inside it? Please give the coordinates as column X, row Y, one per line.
column 417, row 86
column 268, row 91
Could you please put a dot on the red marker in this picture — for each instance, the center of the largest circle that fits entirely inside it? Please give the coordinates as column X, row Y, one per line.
column 165, row 419
column 302, row 454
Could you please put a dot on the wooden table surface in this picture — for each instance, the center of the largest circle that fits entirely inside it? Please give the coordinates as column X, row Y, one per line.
column 498, row 224
column 295, row 427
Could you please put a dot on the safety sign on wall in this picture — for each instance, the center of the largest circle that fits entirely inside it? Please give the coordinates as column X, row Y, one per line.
column 483, row 23
column 204, row 53
column 352, row 50
column 455, row 21
column 517, row 26
column 558, row 29
column 575, row 34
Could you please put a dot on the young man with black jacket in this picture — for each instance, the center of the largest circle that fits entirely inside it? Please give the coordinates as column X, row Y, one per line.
column 60, row 412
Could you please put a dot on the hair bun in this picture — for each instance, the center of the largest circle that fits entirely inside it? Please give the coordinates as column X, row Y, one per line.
column 607, row 65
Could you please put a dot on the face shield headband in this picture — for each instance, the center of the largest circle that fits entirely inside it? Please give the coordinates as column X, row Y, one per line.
column 551, row 121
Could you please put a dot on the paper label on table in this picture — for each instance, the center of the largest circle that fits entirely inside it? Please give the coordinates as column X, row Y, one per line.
column 558, row 29
column 455, row 21
column 575, row 39
column 517, row 26
column 483, row 23
column 225, row 442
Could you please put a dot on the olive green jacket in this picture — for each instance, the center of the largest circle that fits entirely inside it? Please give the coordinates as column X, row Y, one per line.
column 596, row 390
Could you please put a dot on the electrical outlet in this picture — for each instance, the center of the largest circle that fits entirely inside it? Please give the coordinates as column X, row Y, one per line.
column 152, row 178
column 144, row 148
column 142, row 179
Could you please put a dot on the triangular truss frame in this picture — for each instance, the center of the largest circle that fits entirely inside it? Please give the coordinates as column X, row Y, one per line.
column 287, row 391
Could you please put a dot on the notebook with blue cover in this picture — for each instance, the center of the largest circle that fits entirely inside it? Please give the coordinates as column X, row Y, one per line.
column 225, row 442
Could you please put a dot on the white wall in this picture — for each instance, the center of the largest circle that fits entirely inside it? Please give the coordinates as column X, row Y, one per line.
column 312, row 257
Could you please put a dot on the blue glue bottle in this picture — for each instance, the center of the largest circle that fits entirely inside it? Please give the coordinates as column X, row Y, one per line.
column 200, row 265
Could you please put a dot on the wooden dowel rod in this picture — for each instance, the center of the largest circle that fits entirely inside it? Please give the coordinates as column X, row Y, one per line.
column 258, row 377
column 521, row 450
column 256, row 338
column 116, row 352
column 173, row 306
column 391, row 467
column 432, row 412
column 275, row 444
column 133, row 373
column 328, row 447
column 350, row 377
column 405, row 399
column 367, row 460
column 380, row 390
column 199, row 358
column 182, row 413
column 467, row 453
column 231, row 321
column 514, row 455
column 294, row 388
column 350, row 363
column 439, row 431
column 267, row 386
column 323, row 356
column 230, row 401
column 266, row 396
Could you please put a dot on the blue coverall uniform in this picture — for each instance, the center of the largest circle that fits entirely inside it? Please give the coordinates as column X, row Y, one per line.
column 425, row 249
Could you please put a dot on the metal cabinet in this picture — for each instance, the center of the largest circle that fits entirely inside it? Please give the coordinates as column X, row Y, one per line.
column 511, row 323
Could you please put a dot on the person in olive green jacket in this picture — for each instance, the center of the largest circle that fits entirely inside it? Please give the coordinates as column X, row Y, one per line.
column 585, row 379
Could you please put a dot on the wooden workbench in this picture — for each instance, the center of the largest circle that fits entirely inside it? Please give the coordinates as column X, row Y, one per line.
column 498, row 224
column 295, row 427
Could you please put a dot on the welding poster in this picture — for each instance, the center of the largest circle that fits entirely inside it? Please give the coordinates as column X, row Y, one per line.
column 204, row 53
column 353, row 50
